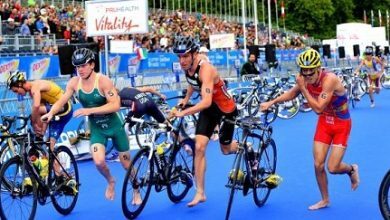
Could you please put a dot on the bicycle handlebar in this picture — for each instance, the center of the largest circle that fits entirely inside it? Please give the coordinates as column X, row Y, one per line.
column 250, row 123
column 9, row 120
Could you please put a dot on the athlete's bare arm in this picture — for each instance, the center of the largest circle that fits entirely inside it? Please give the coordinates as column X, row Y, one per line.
column 207, row 74
column 329, row 85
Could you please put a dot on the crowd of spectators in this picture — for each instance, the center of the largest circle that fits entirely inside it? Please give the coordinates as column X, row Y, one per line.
column 68, row 23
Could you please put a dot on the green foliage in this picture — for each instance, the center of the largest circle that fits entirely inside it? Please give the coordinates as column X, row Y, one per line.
column 317, row 18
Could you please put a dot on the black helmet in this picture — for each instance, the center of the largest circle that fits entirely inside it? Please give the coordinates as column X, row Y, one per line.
column 369, row 50
column 184, row 45
column 82, row 56
column 15, row 78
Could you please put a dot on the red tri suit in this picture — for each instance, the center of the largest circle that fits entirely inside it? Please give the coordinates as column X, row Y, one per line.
column 334, row 123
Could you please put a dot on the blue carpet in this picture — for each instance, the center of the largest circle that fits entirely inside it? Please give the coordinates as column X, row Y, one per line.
column 368, row 146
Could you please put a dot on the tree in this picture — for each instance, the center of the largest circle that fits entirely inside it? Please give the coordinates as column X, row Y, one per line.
column 311, row 17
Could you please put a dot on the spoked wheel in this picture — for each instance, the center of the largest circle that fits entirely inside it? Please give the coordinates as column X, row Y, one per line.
column 18, row 196
column 9, row 149
column 272, row 112
column 143, row 133
column 180, row 174
column 64, row 180
column 288, row 109
column 304, row 105
column 383, row 196
column 253, row 105
column 236, row 179
column 137, row 184
column 266, row 167
column 385, row 80
column 360, row 88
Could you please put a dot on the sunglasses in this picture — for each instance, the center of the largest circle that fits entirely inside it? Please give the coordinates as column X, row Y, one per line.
column 308, row 74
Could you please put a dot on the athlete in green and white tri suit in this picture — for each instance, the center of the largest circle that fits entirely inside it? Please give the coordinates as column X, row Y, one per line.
column 101, row 103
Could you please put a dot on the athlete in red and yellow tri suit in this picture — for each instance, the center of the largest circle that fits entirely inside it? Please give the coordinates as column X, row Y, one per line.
column 334, row 122
column 326, row 95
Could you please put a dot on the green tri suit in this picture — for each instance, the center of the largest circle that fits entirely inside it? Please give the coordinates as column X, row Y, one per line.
column 106, row 125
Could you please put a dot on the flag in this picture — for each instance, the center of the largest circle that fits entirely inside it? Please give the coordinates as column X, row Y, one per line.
column 380, row 18
column 282, row 10
column 142, row 53
column 372, row 18
column 364, row 17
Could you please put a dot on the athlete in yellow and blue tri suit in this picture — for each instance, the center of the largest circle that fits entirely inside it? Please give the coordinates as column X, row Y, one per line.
column 44, row 94
column 375, row 69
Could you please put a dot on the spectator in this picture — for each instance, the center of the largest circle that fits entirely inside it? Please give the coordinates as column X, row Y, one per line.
column 10, row 28
column 250, row 66
column 24, row 29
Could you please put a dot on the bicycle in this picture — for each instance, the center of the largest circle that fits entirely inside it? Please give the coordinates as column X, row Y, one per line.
column 23, row 184
column 255, row 162
column 385, row 78
column 150, row 166
column 383, row 196
column 249, row 98
column 10, row 141
column 354, row 88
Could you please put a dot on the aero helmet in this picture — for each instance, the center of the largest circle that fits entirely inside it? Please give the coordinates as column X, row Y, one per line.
column 184, row 45
column 309, row 59
column 82, row 56
column 15, row 78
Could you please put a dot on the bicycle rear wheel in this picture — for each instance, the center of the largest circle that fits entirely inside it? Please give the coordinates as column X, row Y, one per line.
column 180, row 174
column 266, row 167
column 64, row 180
column 138, row 180
column 143, row 134
column 18, row 196
column 383, row 196
column 236, row 178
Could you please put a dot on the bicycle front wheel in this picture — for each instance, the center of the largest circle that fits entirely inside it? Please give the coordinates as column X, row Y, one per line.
column 180, row 174
column 137, row 184
column 236, row 178
column 383, row 196
column 385, row 80
column 266, row 167
column 18, row 196
column 64, row 180
column 9, row 149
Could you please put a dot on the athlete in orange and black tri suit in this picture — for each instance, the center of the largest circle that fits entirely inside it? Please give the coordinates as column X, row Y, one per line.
column 215, row 103
column 327, row 96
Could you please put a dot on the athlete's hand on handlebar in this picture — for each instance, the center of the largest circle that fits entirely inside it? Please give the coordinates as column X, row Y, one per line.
column 175, row 112
column 182, row 103
column 46, row 117
column 265, row 106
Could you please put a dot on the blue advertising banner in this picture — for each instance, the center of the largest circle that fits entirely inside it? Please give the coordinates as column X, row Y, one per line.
column 36, row 67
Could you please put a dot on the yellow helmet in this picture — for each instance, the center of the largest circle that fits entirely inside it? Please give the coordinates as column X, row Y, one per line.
column 15, row 78
column 309, row 59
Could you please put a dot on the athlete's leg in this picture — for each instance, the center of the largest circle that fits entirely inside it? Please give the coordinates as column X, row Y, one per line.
column 99, row 158
column 336, row 166
column 320, row 150
column 201, row 142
